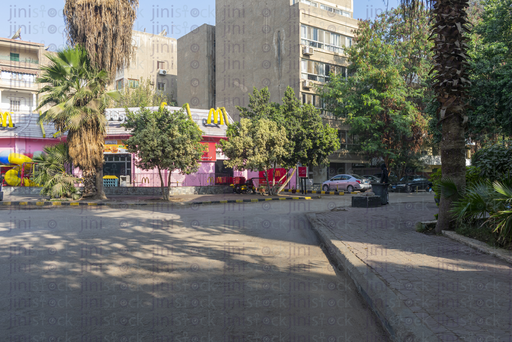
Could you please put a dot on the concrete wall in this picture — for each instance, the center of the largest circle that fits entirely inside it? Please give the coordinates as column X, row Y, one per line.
column 257, row 45
column 196, row 65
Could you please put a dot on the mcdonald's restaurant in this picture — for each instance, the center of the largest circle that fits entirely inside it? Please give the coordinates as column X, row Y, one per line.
column 122, row 165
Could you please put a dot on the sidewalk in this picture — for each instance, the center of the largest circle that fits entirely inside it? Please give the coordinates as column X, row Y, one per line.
column 422, row 287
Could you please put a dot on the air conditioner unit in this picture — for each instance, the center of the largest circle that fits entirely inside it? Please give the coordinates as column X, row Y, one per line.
column 307, row 50
column 162, row 72
column 306, row 84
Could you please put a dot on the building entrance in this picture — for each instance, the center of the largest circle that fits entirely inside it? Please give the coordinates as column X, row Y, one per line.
column 117, row 165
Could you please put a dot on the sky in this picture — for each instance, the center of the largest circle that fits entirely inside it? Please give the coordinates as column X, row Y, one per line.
column 42, row 21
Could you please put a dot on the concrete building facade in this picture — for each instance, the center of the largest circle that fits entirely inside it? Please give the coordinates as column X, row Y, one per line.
column 19, row 65
column 274, row 44
column 155, row 57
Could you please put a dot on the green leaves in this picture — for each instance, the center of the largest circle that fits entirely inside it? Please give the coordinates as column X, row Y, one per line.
column 165, row 141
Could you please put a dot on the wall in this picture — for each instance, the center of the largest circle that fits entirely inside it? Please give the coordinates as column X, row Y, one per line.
column 196, row 65
column 25, row 98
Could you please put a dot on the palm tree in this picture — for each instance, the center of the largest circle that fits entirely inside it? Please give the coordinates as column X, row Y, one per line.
column 51, row 172
column 449, row 34
column 104, row 29
column 75, row 91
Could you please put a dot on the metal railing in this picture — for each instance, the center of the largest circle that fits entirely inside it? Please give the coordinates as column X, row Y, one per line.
column 21, row 60
column 152, row 179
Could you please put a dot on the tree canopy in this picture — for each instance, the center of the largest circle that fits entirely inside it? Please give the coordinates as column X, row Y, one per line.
column 164, row 141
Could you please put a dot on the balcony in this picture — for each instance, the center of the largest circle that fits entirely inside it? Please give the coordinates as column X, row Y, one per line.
column 22, row 60
column 21, row 85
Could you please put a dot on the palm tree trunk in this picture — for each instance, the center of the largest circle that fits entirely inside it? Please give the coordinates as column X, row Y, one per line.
column 100, row 192
column 450, row 63
column 89, row 184
column 453, row 156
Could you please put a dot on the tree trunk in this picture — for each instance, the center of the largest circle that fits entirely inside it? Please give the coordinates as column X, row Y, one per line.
column 268, row 183
column 169, row 179
column 89, row 184
column 453, row 160
column 100, row 192
column 165, row 195
column 287, row 181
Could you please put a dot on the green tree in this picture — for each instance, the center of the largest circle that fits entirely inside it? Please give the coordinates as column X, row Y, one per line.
column 144, row 95
column 490, row 114
column 255, row 144
column 382, row 99
column 75, row 92
column 52, row 172
column 165, row 141
column 310, row 142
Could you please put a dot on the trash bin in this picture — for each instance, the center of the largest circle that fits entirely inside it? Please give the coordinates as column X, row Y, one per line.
column 1, row 188
column 381, row 190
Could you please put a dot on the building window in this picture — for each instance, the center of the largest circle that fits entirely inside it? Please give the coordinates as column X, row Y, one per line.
column 161, row 86
column 15, row 106
column 321, row 39
column 15, row 57
column 119, row 84
column 133, row 83
column 160, row 65
column 318, row 71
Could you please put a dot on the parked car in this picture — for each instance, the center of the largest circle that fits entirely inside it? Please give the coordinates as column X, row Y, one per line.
column 343, row 182
column 412, row 183
column 365, row 183
column 373, row 179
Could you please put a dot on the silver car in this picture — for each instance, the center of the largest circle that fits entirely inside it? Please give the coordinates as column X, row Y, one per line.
column 343, row 182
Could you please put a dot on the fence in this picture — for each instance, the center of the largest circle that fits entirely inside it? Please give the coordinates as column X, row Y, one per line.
column 177, row 180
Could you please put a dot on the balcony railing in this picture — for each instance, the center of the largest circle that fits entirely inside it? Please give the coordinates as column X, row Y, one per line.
column 19, row 84
column 22, row 60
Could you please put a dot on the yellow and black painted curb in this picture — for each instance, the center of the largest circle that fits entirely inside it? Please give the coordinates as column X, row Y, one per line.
column 48, row 204
column 339, row 193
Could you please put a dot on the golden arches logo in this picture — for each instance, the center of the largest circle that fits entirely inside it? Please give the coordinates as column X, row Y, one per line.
column 219, row 116
column 278, row 173
column 6, row 117
column 145, row 180
column 210, row 180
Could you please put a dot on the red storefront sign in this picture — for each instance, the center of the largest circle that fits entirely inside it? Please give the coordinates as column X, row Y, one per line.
column 303, row 172
column 210, row 154
column 280, row 175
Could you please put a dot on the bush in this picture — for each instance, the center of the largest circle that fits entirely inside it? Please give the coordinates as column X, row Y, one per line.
column 472, row 177
column 494, row 162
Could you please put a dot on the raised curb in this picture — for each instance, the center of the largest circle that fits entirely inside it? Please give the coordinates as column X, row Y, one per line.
column 339, row 193
column 367, row 282
column 46, row 204
column 499, row 253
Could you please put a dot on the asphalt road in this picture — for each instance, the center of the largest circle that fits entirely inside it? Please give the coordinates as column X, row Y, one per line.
column 232, row 273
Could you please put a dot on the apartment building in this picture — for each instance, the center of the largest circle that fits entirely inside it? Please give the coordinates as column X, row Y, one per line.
column 274, row 44
column 155, row 57
column 19, row 65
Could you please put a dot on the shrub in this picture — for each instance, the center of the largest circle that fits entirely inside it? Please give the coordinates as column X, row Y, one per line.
column 494, row 162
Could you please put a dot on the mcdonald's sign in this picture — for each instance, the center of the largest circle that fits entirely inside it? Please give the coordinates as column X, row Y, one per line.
column 6, row 118
column 145, row 180
column 219, row 115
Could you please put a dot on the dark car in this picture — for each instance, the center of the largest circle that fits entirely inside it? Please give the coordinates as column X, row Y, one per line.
column 412, row 183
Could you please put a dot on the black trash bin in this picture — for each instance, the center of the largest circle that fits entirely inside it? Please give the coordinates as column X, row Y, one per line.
column 1, row 189
column 381, row 190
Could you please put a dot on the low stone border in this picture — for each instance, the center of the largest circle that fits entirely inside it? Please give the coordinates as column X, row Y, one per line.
column 499, row 253
column 339, row 193
column 366, row 281
column 47, row 204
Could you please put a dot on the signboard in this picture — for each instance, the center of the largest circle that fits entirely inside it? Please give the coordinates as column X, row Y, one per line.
column 114, row 146
column 303, row 172
column 279, row 173
column 210, row 154
column 220, row 155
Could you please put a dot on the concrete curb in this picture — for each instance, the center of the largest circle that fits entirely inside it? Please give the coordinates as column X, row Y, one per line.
column 396, row 318
column 499, row 253
column 339, row 193
column 46, row 204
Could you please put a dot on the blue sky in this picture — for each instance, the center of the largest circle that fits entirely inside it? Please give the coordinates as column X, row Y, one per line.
column 42, row 22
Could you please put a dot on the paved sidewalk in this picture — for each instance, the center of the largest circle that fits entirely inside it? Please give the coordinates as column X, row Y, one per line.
column 423, row 287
